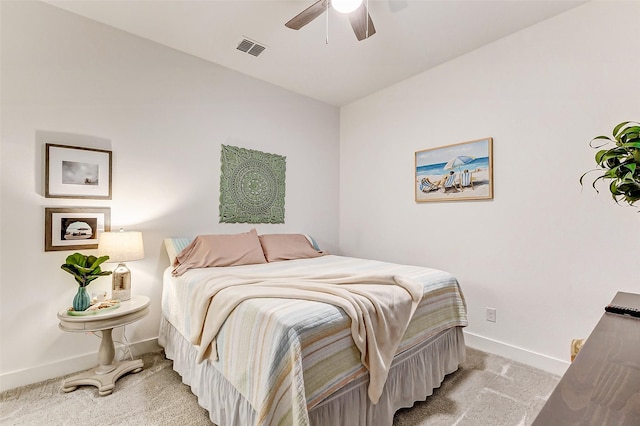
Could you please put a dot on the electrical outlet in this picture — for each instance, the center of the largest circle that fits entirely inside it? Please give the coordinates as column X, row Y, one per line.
column 491, row 314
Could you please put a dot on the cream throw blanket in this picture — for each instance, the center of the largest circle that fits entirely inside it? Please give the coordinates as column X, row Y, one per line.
column 380, row 308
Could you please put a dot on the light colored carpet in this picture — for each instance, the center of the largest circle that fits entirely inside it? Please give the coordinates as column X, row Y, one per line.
column 486, row 390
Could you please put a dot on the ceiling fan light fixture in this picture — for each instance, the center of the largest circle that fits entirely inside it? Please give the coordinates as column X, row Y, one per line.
column 346, row 6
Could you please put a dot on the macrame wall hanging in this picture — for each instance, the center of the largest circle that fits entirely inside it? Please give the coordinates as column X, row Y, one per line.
column 252, row 186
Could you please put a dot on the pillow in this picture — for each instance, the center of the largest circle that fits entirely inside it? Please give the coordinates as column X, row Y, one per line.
column 313, row 242
column 220, row 250
column 175, row 245
column 278, row 247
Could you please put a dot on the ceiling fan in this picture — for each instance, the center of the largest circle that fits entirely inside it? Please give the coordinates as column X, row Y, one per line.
column 356, row 9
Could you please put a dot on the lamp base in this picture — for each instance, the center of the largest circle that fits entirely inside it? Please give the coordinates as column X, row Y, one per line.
column 121, row 283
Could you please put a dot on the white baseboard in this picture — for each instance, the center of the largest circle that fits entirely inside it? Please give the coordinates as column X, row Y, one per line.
column 83, row 362
column 40, row 373
column 543, row 362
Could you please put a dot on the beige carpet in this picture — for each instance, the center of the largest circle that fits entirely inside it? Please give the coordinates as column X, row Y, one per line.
column 486, row 391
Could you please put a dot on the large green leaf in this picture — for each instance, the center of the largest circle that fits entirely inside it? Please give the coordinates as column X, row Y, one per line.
column 620, row 126
column 613, row 187
column 600, row 154
column 98, row 261
column 634, row 144
column 617, row 154
column 628, row 130
column 77, row 259
column 71, row 269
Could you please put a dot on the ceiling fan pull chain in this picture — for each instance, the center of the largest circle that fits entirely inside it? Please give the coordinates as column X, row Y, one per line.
column 367, row 18
column 326, row 39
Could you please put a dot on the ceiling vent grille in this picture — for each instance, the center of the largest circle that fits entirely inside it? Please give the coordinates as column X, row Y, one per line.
column 250, row 47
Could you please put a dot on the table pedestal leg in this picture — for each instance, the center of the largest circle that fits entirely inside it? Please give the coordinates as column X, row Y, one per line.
column 107, row 373
column 106, row 353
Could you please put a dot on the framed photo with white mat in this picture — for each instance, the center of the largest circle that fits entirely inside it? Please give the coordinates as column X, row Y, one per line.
column 76, row 172
column 75, row 228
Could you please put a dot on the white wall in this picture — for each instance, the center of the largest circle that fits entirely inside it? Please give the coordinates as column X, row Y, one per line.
column 164, row 114
column 545, row 253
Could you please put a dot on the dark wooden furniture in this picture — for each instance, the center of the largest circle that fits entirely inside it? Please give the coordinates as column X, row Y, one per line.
column 602, row 385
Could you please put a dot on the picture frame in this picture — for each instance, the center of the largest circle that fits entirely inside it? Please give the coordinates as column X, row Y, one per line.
column 74, row 228
column 77, row 172
column 461, row 171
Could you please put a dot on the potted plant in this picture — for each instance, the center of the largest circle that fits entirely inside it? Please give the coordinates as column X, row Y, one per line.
column 84, row 269
column 620, row 163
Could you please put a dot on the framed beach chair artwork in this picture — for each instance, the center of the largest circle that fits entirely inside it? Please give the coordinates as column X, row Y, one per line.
column 462, row 171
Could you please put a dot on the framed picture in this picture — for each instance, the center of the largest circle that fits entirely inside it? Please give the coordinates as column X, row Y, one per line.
column 74, row 228
column 75, row 172
column 463, row 171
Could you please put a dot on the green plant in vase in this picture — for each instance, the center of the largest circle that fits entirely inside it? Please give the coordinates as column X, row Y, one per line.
column 84, row 269
column 619, row 162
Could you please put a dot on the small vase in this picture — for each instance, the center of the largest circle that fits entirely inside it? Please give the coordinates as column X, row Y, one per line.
column 82, row 300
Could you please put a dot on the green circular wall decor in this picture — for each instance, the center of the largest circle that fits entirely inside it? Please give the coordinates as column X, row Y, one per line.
column 252, row 186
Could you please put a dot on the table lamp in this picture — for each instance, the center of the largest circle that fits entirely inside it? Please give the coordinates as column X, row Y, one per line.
column 121, row 247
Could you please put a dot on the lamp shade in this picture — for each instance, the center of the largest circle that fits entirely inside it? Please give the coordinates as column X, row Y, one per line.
column 121, row 246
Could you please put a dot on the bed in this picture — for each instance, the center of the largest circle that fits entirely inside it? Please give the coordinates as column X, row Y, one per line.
column 283, row 360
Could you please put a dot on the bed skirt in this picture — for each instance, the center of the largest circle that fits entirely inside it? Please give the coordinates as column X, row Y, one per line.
column 412, row 377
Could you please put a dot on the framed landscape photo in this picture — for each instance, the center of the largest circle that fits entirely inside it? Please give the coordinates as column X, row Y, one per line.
column 462, row 171
column 74, row 228
column 76, row 172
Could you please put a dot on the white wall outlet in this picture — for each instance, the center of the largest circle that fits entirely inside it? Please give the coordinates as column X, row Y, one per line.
column 491, row 314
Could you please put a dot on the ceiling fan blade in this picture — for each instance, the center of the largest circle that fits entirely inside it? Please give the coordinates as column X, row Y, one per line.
column 307, row 15
column 359, row 19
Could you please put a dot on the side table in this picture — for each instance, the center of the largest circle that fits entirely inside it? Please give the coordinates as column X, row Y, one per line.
column 104, row 377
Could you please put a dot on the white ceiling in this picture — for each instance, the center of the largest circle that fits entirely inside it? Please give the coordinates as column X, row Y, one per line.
column 412, row 36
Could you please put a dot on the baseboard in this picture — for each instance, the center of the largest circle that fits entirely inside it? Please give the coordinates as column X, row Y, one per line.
column 534, row 359
column 60, row 368
column 83, row 362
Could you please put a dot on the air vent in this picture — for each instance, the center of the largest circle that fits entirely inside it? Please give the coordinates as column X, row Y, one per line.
column 251, row 47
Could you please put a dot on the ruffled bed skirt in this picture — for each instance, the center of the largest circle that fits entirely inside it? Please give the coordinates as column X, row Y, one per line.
column 413, row 376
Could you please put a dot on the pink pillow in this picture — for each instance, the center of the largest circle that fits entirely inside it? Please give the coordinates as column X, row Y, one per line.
column 278, row 247
column 220, row 250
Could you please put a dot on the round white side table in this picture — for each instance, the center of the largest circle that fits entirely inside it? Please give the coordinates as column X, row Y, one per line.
column 104, row 377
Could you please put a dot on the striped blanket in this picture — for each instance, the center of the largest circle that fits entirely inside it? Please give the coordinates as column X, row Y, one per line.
column 379, row 307
column 286, row 355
